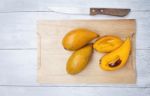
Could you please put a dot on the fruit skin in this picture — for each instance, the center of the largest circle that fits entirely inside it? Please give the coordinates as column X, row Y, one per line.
column 78, row 38
column 117, row 58
column 107, row 43
column 79, row 59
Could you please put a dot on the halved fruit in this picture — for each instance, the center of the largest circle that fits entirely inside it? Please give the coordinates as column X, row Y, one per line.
column 78, row 38
column 107, row 43
column 117, row 58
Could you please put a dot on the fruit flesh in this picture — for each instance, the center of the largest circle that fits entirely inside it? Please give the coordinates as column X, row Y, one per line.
column 119, row 55
column 79, row 60
column 107, row 43
column 78, row 38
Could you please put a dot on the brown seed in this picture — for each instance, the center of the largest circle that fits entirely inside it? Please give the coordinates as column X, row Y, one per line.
column 118, row 62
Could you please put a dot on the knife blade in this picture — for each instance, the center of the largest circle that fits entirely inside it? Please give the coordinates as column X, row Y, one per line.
column 91, row 11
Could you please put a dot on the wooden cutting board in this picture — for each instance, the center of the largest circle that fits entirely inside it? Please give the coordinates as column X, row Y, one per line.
column 52, row 57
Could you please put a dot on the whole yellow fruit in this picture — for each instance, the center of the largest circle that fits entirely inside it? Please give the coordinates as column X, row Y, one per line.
column 79, row 59
column 78, row 38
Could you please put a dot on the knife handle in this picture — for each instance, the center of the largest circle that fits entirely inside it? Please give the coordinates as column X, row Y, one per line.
column 95, row 11
column 108, row 11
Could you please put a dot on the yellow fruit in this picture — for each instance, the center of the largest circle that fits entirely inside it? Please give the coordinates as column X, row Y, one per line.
column 117, row 58
column 107, row 43
column 78, row 38
column 79, row 59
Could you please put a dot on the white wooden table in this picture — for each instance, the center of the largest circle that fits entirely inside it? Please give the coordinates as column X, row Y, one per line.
column 18, row 47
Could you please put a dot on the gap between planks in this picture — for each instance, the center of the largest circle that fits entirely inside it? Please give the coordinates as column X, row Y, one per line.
column 60, row 12
column 19, row 49
column 114, row 86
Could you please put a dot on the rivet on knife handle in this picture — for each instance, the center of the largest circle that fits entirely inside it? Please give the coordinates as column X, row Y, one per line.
column 109, row 11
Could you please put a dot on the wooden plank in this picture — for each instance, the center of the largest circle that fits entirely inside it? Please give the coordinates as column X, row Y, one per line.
column 18, row 67
column 42, row 5
column 18, row 30
column 73, row 91
column 18, row 5
column 133, row 4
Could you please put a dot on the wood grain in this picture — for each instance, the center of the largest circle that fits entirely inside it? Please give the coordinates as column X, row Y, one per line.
column 52, row 57
column 42, row 5
column 18, row 67
column 19, row 31
column 18, row 22
column 73, row 91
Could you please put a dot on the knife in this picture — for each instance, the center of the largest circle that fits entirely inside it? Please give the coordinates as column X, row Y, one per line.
column 91, row 11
